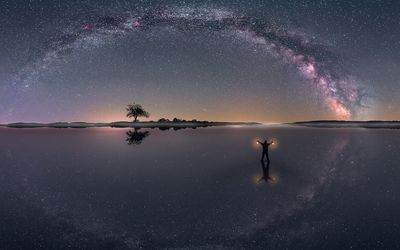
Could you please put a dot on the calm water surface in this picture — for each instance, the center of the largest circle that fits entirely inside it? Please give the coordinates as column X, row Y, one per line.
column 199, row 188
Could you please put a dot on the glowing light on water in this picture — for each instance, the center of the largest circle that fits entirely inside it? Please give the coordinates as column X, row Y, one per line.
column 273, row 179
column 257, row 179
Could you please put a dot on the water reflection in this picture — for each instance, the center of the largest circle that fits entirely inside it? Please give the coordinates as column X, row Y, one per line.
column 178, row 128
column 265, row 171
column 266, row 175
column 143, row 199
column 136, row 137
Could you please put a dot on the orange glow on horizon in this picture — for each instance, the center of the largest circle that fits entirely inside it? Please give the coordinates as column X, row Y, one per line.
column 117, row 113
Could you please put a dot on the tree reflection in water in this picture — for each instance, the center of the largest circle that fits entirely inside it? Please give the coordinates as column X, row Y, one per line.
column 136, row 137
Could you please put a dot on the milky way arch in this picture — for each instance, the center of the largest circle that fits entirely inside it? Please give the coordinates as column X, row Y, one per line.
column 341, row 93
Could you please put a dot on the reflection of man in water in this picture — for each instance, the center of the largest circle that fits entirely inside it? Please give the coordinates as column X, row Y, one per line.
column 265, row 146
column 265, row 170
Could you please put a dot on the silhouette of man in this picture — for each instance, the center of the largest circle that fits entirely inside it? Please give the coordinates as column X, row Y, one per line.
column 265, row 146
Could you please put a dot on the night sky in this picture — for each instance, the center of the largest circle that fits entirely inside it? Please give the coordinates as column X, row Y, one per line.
column 268, row 61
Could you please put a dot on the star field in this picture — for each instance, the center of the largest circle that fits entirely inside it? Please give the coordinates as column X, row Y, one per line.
column 241, row 60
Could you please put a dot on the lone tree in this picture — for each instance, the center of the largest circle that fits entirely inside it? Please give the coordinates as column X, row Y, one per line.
column 136, row 110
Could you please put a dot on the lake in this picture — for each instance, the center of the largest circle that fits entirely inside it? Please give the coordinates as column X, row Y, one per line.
column 108, row 188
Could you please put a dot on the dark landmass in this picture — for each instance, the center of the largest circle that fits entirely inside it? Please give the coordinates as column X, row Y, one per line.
column 125, row 124
column 349, row 124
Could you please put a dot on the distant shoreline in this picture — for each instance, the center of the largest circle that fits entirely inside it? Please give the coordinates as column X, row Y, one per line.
column 124, row 124
column 200, row 124
column 349, row 124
